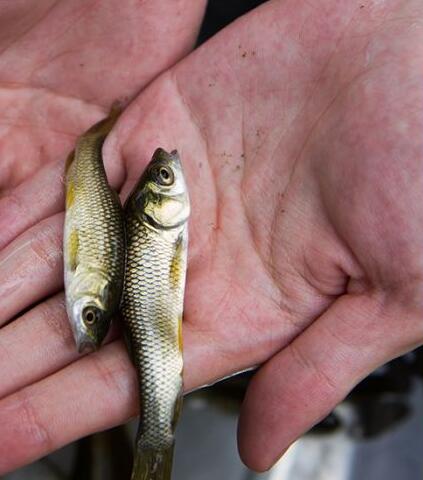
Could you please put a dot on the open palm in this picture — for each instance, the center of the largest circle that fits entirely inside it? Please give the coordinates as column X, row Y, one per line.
column 299, row 132
column 62, row 64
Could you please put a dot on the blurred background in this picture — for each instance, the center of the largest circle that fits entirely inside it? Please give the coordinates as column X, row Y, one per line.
column 376, row 433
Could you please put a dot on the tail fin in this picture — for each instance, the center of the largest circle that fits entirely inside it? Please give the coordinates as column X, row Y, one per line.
column 103, row 127
column 152, row 464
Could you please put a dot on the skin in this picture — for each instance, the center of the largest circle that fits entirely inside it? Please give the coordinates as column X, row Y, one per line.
column 299, row 129
column 62, row 65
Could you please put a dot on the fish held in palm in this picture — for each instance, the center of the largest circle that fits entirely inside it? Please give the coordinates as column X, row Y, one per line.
column 94, row 240
column 156, row 218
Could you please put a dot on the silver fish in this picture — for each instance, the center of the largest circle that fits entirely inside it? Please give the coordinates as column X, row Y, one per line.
column 94, row 240
column 156, row 216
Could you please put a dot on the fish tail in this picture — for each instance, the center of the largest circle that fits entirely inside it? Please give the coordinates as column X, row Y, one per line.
column 103, row 127
column 150, row 464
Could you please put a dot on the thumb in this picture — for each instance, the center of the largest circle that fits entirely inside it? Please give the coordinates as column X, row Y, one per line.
column 302, row 383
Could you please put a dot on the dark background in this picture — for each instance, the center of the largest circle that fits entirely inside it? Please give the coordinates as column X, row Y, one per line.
column 220, row 12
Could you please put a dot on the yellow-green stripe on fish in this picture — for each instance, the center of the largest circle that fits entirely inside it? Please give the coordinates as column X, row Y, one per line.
column 156, row 216
column 94, row 240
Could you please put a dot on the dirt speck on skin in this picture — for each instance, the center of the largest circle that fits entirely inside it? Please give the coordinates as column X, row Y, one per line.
column 238, row 167
column 362, row 6
column 243, row 156
column 211, row 84
column 246, row 52
column 200, row 164
column 82, row 64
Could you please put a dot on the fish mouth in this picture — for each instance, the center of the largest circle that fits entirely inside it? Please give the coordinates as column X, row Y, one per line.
column 86, row 345
column 162, row 156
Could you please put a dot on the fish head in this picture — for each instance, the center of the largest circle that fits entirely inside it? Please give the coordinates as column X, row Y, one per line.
column 161, row 196
column 90, row 323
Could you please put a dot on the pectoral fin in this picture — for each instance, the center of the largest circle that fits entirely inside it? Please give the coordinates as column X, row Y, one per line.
column 73, row 245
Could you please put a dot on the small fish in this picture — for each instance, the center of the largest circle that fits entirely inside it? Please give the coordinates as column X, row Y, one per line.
column 94, row 240
column 156, row 215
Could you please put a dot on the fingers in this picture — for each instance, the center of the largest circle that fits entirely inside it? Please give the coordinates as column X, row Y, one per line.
column 36, row 345
column 31, row 267
column 97, row 392
column 32, row 201
column 303, row 383
column 94, row 393
column 42, row 196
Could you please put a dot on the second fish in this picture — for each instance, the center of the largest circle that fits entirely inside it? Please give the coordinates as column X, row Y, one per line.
column 94, row 240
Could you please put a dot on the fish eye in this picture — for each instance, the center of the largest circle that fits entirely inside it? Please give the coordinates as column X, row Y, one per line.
column 90, row 315
column 164, row 175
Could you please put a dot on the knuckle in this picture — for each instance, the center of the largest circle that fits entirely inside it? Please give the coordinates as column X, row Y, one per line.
column 116, row 373
column 308, row 364
column 12, row 203
column 38, row 433
column 53, row 314
column 107, row 374
column 47, row 246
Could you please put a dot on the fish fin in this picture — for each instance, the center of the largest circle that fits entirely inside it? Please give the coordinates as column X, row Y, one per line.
column 129, row 346
column 115, row 195
column 176, row 268
column 117, row 108
column 177, row 410
column 150, row 464
column 70, row 158
column 180, row 337
column 70, row 194
column 103, row 127
column 73, row 246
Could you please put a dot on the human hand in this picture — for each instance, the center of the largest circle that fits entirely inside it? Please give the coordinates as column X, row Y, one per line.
column 305, row 246
column 62, row 64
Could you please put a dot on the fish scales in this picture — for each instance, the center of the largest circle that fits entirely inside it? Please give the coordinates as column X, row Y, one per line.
column 98, row 216
column 94, row 239
column 156, row 215
column 152, row 309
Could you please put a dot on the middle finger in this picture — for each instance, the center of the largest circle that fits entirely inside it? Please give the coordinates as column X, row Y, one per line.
column 31, row 267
